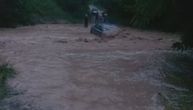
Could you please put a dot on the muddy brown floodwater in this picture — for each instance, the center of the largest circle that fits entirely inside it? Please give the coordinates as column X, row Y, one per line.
column 63, row 67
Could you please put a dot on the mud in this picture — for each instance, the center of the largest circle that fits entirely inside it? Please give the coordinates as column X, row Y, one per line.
column 63, row 67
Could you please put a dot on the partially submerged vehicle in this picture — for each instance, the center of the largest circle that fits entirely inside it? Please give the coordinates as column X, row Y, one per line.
column 104, row 30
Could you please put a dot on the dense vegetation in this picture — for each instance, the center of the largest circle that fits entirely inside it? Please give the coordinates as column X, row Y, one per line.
column 22, row 12
column 10, row 13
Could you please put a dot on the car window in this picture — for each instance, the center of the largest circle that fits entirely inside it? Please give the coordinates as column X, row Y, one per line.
column 99, row 27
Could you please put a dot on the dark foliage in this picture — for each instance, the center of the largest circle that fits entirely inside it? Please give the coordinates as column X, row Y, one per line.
column 177, row 71
column 164, row 15
column 185, row 18
column 5, row 72
column 74, row 7
column 24, row 12
column 11, row 13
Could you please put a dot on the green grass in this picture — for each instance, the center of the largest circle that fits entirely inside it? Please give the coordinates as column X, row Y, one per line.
column 178, row 72
column 5, row 72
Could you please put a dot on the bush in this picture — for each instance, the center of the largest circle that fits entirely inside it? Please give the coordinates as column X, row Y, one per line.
column 40, row 11
column 73, row 7
column 24, row 12
column 5, row 73
column 177, row 71
column 185, row 20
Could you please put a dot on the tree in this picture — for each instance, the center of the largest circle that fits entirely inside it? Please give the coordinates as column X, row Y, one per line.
column 185, row 20
column 11, row 13
column 165, row 15
column 73, row 6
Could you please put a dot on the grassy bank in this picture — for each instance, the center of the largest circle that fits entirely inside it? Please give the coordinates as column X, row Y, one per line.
column 178, row 74
column 5, row 72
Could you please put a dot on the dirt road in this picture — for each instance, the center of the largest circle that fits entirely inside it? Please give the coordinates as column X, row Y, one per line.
column 63, row 67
